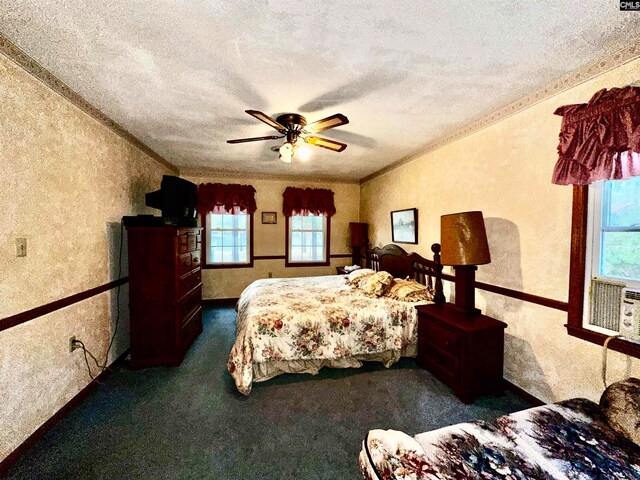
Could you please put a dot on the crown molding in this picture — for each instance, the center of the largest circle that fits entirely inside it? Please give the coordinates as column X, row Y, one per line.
column 40, row 73
column 213, row 173
column 566, row 82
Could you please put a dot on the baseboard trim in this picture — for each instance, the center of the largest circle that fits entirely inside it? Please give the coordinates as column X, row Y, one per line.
column 516, row 390
column 220, row 302
column 13, row 457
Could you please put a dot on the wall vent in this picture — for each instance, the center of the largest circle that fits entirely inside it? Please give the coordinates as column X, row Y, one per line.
column 605, row 304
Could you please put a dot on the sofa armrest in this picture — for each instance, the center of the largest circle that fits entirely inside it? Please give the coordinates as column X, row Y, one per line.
column 620, row 404
column 390, row 455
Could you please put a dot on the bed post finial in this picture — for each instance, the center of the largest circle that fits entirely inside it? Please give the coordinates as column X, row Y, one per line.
column 438, row 296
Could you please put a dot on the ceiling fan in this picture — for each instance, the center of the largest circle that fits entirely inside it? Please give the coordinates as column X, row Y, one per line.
column 294, row 126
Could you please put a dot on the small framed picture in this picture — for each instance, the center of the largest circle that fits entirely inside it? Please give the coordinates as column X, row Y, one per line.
column 269, row 217
column 404, row 226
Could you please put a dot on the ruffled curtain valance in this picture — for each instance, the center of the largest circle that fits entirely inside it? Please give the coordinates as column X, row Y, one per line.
column 226, row 198
column 308, row 201
column 600, row 140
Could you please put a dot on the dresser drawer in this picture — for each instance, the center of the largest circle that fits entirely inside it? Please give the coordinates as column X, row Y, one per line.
column 189, row 304
column 189, row 241
column 191, row 328
column 183, row 242
column 440, row 337
column 188, row 282
column 185, row 284
column 196, row 277
column 195, row 259
column 441, row 364
column 184, row 263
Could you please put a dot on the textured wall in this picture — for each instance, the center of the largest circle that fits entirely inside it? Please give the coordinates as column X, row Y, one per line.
column 270, row 239
column 66, row 182
column 505, row 171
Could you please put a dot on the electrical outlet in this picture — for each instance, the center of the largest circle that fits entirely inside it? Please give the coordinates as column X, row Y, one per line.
column 21, row 247
column 72, row 344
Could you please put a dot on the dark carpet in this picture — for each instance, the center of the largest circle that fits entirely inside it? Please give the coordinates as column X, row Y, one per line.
column 190, row 422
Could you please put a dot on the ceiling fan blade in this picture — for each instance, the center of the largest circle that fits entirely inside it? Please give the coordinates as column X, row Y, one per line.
column 326, row 123
column 255, row 139
column 326, row 143
column 263, row 117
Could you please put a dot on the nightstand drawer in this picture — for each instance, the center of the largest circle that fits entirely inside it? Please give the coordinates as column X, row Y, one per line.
column 442, row 365
column 440, row 337
column 464, row 351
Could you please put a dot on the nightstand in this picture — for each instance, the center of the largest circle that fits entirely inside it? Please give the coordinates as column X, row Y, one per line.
column 341, row 271
column 464, row 352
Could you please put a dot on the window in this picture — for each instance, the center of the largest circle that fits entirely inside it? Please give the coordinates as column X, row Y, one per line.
column 605, row 246
column 307, row 240
column 228, row 241
column 615, row 220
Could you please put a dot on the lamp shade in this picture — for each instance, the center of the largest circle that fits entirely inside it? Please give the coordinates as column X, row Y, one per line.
column 463, row 239
column 359, row 234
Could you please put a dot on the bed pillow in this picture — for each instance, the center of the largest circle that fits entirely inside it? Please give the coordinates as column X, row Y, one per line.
column 355, row 277
column 409, row 291
column 377, row 284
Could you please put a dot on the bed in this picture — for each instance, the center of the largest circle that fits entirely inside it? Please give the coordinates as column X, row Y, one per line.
column 300, row 325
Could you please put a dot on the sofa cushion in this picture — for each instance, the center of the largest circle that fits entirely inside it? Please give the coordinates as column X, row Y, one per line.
column 569, row 440
column 620, row 404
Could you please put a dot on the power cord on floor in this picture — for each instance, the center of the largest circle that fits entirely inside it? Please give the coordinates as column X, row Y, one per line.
column 604, row 358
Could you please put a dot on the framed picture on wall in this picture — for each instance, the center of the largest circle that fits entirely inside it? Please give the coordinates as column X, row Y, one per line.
column 404, row 226
column 269, row 217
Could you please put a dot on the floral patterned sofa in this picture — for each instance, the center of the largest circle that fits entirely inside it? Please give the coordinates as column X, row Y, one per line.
column 575, row 439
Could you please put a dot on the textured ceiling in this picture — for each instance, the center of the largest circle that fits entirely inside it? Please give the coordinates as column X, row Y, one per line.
column 179, row 74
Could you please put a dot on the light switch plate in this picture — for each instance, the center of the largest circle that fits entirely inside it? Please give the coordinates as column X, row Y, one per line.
column 21, row 247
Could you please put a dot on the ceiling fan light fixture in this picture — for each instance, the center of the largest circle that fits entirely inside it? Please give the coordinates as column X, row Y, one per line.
column 286, row 152
column 303, row 152
column 294, row 127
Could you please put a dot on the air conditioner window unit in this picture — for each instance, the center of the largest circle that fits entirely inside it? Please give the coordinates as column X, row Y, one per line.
column 630, row 314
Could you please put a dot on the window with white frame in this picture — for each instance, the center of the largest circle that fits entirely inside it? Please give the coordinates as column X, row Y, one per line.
column 308, row 239
column 613, row 250
column 228, row 239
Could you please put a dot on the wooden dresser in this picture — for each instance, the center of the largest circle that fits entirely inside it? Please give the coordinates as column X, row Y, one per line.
column 165, row 293
column 465, row 352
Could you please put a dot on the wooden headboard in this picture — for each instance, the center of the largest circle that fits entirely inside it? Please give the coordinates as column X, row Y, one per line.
column 395, row 260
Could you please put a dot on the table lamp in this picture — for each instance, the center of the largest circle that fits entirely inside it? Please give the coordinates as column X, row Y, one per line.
column 464, row 245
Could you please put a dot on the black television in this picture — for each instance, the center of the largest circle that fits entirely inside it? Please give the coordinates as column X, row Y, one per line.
column 177, row 199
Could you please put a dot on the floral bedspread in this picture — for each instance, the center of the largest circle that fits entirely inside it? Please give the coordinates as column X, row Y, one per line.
column 312, row 318
column 566, row 441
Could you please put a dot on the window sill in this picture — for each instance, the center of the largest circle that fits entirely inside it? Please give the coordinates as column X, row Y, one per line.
column 287, row 263
column 619, row 345
column 227, row 265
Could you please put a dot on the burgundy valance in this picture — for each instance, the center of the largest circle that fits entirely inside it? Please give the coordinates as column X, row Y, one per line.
column 226, row 198
column 600, row 140
column 306, row 201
